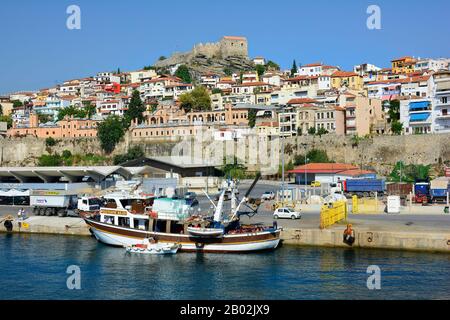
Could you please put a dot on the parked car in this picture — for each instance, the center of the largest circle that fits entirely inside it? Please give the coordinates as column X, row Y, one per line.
column 286, row 213
column 268, row 195
column 190, row 195
column 315, row 184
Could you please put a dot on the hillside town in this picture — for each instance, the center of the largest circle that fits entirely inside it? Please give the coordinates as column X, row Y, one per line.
column 410, row 97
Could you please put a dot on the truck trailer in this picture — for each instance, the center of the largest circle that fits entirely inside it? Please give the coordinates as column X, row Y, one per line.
column 53, row 202
column 364, row 187
column 439, row 189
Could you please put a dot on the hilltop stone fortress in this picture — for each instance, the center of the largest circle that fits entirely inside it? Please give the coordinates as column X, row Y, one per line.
column 228, row 47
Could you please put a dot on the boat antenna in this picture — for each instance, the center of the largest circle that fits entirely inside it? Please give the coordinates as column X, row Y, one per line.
column 245, row 198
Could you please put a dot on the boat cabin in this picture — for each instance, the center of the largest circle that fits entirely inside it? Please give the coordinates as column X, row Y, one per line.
column 146, row 213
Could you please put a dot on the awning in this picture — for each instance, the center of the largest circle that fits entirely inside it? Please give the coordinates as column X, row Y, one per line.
column 443, row 86
column 418, row 105
column 419, row 116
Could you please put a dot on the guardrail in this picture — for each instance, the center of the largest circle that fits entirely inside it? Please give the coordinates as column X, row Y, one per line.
column 332, row 213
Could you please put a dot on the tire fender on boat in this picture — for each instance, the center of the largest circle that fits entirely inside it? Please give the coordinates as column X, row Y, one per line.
column 199, row 245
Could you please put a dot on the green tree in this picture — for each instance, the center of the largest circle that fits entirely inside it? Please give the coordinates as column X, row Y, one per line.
column 409, row 173
column 394, row 110
column 133, row 153
column 44, row 118
column 234, row 170
column 196, row 100
column 17, row 103
column 50, row 142
column 260, row 69
column 396, row 127
column 110, row 132
column 252, row 117
column 228, row 72
column 71, row 111
column 162, row 58
column 270, row 65
column 183, row 73
column 294, row 68
column 216, row 90
column 50, row 160
column 322, row 131
column 313, row 156
column 1, row 110
column 7, row 119
column 312, row 131
column 136, row 109
column 89, row 109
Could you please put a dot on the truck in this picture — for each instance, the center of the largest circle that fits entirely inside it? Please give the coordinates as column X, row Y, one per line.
column 88, row 205
column 53, row 202
column 438, row 190
column 361, row 187
column 422, row 191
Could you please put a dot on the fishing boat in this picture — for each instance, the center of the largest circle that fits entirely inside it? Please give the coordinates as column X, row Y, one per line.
column 127, row 221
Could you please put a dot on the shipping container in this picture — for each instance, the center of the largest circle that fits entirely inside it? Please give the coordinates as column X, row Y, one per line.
column 399, row 189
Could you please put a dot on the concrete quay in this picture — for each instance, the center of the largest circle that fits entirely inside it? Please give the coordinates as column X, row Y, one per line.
column 50, row 225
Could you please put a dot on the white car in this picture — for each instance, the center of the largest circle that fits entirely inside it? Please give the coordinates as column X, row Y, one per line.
column 286, row 213
column 268, row 195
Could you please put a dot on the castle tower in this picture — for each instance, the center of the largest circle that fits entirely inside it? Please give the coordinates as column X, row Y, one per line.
column 233, row 46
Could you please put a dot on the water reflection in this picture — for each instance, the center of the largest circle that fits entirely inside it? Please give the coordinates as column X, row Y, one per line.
column 37, row 267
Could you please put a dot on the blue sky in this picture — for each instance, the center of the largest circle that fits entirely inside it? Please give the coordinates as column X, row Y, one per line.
column 38, row 51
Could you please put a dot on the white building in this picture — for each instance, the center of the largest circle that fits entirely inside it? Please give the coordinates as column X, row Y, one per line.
column 139, row 75
column 259, row 61
column 416, row 116
column 312, row 69
column 432, row 64
column 441, row 102
column 365, row 69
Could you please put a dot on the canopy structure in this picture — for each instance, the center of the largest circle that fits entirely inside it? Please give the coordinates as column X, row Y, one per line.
column 14, row 193
column 423, row 116
column 70, row 174
column 421, row 105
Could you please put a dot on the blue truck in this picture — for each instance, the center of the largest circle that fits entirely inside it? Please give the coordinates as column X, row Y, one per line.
column 439, row 189
column 364, row 187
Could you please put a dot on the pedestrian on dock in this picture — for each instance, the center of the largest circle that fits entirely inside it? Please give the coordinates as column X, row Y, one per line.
column 21, row 214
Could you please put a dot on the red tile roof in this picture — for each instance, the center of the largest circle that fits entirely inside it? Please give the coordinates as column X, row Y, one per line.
column 302, row 101
column 338, row 74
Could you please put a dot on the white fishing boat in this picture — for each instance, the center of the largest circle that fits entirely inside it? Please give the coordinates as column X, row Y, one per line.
column 128, row 220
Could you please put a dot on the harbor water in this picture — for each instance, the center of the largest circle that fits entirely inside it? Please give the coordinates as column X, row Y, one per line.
column 34, row 267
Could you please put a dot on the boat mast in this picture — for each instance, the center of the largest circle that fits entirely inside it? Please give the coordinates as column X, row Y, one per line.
column 245, row 198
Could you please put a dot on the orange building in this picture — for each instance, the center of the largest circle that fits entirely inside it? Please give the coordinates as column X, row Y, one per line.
column 174, row 122
column 403, row 65
column 66, row 128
